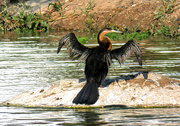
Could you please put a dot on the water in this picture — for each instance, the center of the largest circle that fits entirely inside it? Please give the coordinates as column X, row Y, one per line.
column 30, row 61
column 37, row 116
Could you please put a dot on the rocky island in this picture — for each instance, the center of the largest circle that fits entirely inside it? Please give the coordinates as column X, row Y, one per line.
column 145, row 89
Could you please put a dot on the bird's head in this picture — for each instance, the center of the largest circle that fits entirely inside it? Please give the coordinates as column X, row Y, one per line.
column 105, row 41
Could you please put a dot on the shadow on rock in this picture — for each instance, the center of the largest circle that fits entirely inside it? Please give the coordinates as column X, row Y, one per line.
column 106, row 82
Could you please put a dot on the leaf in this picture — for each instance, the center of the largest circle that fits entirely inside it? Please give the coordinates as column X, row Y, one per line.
column 44, row 23
column 17, row 30
column 157, row 17
column 15, row 18
column 50, row 4
column 37, row 23
column 29, row 24
column 65, row 7
column 168, row 7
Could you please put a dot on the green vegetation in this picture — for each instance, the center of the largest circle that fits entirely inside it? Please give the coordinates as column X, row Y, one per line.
column 126, row 36
column 30, row 22
column 136, row 35
column 165, row 9
column 58, row 7
column 116, row 36
column 178, row 37
column 88, row 15
column 170, row 31
column 82, row 40
column 20, row 18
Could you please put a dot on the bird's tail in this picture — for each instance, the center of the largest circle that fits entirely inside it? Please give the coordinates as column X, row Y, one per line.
column 89, row 94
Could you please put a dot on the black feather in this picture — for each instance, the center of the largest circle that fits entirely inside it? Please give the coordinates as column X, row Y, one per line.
column 76, row 49
column 122, row 53
column 89, row 94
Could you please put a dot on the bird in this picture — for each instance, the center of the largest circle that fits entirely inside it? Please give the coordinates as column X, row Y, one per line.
column 97, row 61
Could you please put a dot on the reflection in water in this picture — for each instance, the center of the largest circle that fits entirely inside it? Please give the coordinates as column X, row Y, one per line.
column 29, row 62
column 87, row 116
column 104, row 116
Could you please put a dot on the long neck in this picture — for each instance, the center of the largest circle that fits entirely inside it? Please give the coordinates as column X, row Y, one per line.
column 101, row 36
column 104, row 41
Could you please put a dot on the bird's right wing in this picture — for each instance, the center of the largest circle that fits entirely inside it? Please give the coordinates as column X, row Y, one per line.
column 122, row 53
column 75, row 49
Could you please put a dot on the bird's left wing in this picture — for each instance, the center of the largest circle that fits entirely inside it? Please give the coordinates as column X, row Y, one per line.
column 122, row 53
column 76, row 49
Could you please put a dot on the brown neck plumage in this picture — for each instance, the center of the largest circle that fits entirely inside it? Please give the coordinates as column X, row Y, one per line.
column 104, row 41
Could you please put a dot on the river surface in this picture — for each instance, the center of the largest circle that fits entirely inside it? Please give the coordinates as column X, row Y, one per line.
column 30, row 61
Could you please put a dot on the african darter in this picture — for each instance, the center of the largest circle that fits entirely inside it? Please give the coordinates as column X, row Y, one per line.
column 98, row 59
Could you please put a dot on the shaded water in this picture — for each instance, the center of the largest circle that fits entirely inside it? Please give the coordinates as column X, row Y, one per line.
column 30, row 61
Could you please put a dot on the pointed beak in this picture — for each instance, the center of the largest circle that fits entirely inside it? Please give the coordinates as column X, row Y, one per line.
column 116, row 31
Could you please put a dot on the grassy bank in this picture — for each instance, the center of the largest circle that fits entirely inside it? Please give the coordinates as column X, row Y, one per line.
column 21, row 18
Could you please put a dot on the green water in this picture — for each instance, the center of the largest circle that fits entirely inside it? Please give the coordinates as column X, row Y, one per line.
column 29, row 62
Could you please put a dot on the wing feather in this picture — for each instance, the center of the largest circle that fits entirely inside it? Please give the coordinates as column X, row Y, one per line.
column 122, row 53
column 75, row 49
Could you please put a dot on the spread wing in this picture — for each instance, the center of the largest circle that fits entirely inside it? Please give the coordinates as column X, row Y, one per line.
column 122, row 53
column 76, row 49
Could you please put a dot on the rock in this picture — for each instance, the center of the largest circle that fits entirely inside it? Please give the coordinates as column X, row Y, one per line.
column 145, row 89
